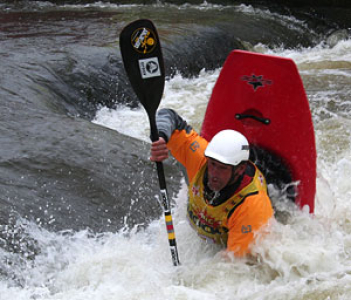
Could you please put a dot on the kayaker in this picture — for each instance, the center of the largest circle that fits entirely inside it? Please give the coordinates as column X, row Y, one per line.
column 228, row 200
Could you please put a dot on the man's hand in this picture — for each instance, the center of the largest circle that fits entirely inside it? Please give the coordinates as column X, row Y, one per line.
column 159, row 150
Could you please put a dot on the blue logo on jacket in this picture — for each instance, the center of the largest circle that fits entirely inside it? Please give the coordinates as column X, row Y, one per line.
column 194, row 146
column 246, row 229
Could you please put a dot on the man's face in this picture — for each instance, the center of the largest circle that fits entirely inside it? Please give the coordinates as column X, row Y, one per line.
column 219, row 174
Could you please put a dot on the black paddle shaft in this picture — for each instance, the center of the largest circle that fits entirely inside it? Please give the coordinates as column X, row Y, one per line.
column 143, row 62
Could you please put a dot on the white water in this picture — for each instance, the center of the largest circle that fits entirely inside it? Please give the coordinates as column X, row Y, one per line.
column 308, row 258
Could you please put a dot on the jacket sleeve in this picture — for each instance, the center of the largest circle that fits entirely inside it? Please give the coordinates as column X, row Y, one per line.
column 246, row 221
column 168, row 121
column 184, row 143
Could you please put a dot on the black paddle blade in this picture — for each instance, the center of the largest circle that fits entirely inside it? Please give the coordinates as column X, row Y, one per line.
column 143, row 62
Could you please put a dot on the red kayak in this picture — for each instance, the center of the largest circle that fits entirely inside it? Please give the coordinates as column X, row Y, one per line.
column 262, row 96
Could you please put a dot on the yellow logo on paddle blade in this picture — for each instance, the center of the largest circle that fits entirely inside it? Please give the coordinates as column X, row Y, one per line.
column 143, row 40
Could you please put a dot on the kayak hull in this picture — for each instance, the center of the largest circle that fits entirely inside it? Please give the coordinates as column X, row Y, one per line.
column 262, row 96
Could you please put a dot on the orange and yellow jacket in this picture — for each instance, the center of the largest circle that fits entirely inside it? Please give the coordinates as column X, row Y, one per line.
column 232, row 222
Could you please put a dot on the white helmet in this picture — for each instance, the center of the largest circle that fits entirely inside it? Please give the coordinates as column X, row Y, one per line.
column 228, row 147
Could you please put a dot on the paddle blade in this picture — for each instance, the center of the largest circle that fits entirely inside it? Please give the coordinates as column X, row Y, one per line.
column 143, row 62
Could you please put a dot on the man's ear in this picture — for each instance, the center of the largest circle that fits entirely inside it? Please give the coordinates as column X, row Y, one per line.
column 241, row 167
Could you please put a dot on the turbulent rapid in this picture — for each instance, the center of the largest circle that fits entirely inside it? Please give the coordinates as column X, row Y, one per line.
column 306, row 257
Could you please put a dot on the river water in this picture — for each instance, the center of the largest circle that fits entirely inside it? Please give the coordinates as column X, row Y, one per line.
column 307, row 257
